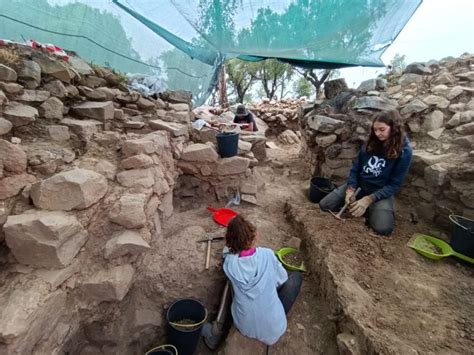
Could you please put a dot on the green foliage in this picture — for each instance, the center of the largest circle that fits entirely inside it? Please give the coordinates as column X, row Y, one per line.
column 398, row 62
column 100, row 26
column 273, row 76
column 216, row 21
column 318, row 77
column 293, row 33
column 302, row 87
column 240, row 76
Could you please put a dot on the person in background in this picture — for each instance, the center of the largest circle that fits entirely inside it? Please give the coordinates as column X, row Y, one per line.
column 379, row 171
column 263, row 290
column 243, row 116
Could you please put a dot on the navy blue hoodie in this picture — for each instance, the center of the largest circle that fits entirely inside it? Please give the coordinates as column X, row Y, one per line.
column 378, row 175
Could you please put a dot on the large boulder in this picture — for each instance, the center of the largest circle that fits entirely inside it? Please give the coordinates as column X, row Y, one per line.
column 178, row 96
column 334, row 87
column 175, row 129
column 55, row 68
column 19, row 114
column 100, row 111
column 466, row 129
column 5, row 126
column 323, row 123
column 139, row 161
column 156, row 142
column 325, row 140
column 417, row 68
column 414, row 106
column 68, row 190
column 438, row 101
column 30, row 74
column 52, row 108
column 29, row 311
column 108, row 285
column 12, row 185
column 33, row 96
column 409, row 78
column 11, row 88
column 83, row 128
column 375, row 103
column 433, row 121
column 129, row 211
column 199, row 152
column 56, row 88
column 80, row 65
column 137, row 178
column 44, row 239
column 371, row 85
column 59, row 133
column 125, row 243
column 101, row 166
column 233, row 165
column 12, row 157
column 7, row 73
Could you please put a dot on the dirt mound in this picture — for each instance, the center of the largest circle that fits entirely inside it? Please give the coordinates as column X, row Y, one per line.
column 391, row 298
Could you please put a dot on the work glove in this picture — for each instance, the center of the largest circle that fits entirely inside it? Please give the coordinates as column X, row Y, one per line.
column 359, row 207
column 349, row 195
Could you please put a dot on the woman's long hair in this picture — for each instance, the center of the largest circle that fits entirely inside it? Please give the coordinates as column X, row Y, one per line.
column 240, row 234
column 392, row 147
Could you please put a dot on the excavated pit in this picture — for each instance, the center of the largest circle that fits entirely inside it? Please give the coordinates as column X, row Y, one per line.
column 372, row 294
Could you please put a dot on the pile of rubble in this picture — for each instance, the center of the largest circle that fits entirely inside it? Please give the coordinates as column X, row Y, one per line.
column 88, row 170
column 281, row 118
column 437, row 105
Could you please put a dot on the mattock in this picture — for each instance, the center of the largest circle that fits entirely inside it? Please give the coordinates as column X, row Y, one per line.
column 351, row 199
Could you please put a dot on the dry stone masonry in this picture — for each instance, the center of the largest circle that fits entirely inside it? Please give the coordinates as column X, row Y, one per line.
column 88, row 174
column 436, row 102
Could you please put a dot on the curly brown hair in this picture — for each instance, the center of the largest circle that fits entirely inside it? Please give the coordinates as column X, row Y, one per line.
column 240, row 234
column 392, row 148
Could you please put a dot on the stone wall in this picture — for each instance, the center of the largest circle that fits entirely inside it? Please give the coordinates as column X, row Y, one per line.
column 87, row 173
column 436, row 103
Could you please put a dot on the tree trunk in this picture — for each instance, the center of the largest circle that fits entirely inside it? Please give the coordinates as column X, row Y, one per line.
column 223, row 100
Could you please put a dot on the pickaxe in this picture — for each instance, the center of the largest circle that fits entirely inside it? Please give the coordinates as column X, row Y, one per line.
column 351, row 199
column 209, row 240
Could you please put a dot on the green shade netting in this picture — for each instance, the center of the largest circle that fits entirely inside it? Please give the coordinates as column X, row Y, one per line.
column 185, row 41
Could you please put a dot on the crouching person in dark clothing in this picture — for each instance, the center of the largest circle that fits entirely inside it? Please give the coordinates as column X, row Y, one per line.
column 379, row 171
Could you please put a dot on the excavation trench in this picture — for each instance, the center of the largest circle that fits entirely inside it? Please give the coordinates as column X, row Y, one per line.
column 369, row 294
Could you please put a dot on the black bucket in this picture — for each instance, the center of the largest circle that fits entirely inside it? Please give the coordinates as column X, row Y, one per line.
column 462, row 235
column 319, row 187
column 227, row 144
column 166, row 349
column 185, row 337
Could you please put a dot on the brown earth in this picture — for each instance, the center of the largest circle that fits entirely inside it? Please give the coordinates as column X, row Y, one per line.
column 390, row 298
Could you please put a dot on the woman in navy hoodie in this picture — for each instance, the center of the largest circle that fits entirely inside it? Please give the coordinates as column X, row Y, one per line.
column 379, row 171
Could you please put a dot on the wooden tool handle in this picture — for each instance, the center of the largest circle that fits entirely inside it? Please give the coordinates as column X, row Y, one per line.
column 208, row 254
column 352, row 199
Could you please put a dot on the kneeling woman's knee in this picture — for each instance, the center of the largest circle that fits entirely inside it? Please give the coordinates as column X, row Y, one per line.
column 324, row 204
column 382, row 226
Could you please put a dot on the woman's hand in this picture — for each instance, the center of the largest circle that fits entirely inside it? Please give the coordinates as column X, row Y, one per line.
column 359, row 207
column 349, row 194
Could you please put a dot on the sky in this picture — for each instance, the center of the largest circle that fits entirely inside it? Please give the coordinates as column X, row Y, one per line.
column 438, row 29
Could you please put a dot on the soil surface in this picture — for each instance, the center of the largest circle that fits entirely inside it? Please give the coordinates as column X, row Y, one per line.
column 389, row 297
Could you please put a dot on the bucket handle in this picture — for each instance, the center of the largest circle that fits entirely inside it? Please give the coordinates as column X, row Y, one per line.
column 161, row 347
column 453, row 218
column 191, row 325
column 209, row 208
